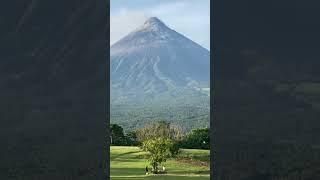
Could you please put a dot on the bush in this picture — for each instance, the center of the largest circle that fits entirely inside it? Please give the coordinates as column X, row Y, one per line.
column 175, row 149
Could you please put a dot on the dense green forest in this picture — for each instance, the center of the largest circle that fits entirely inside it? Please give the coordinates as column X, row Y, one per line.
column 188, row 116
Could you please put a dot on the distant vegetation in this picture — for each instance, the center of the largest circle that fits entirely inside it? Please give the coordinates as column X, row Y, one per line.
column 188, row 116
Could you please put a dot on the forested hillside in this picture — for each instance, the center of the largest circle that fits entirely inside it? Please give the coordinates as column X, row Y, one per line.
column 188, row 116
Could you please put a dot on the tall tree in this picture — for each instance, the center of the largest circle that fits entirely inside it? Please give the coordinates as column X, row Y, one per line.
column 117, row 135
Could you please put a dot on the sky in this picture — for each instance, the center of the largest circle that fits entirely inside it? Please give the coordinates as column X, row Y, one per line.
column 188, row 17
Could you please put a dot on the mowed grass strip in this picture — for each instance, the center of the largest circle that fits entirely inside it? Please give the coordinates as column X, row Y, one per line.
column 129, row 163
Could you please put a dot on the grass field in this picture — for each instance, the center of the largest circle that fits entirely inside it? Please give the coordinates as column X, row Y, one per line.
column 129, row 163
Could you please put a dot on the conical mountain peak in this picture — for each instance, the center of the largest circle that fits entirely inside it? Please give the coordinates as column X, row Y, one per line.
column 152, row 34
column 152, row 31
column 154, row 23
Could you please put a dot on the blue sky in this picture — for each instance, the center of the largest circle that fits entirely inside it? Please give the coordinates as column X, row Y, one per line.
column 188, row 17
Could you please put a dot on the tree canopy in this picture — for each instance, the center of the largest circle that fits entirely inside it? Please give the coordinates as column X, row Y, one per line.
column 160, row 129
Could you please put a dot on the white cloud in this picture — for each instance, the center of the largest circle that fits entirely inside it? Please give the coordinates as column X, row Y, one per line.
column 189, row 18
column 124, row 22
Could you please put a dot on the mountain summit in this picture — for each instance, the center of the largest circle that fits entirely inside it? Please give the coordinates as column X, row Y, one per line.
column 152, row 31
column 155, row 61
column 154, row 23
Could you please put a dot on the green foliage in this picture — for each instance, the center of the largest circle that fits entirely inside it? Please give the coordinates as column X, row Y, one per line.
column 163, row 130
column 131, row 139
column 159, row 139
column 117, row 135
column 159, row 149
column 188, row 116
column 197, row 139
column 175, row 149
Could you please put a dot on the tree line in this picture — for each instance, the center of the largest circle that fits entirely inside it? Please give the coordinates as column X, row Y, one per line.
column 198, row 138
column 161, row 140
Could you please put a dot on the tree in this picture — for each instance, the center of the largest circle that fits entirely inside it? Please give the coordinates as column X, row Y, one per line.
column 198, row 139
column 163, row 130
column 160, row 129
column 117, row 135
column 132, row 135
column 159, row 149
column 131, row 138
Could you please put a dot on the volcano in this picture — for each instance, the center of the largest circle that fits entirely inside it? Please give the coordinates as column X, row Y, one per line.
column 154, row 63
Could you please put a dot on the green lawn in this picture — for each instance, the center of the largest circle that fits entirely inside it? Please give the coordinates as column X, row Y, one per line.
column 129, row 163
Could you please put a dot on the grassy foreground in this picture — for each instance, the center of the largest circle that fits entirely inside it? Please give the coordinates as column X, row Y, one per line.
column 129, row 163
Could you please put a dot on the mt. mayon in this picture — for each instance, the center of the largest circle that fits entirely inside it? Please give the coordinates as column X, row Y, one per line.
column 155, row 63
